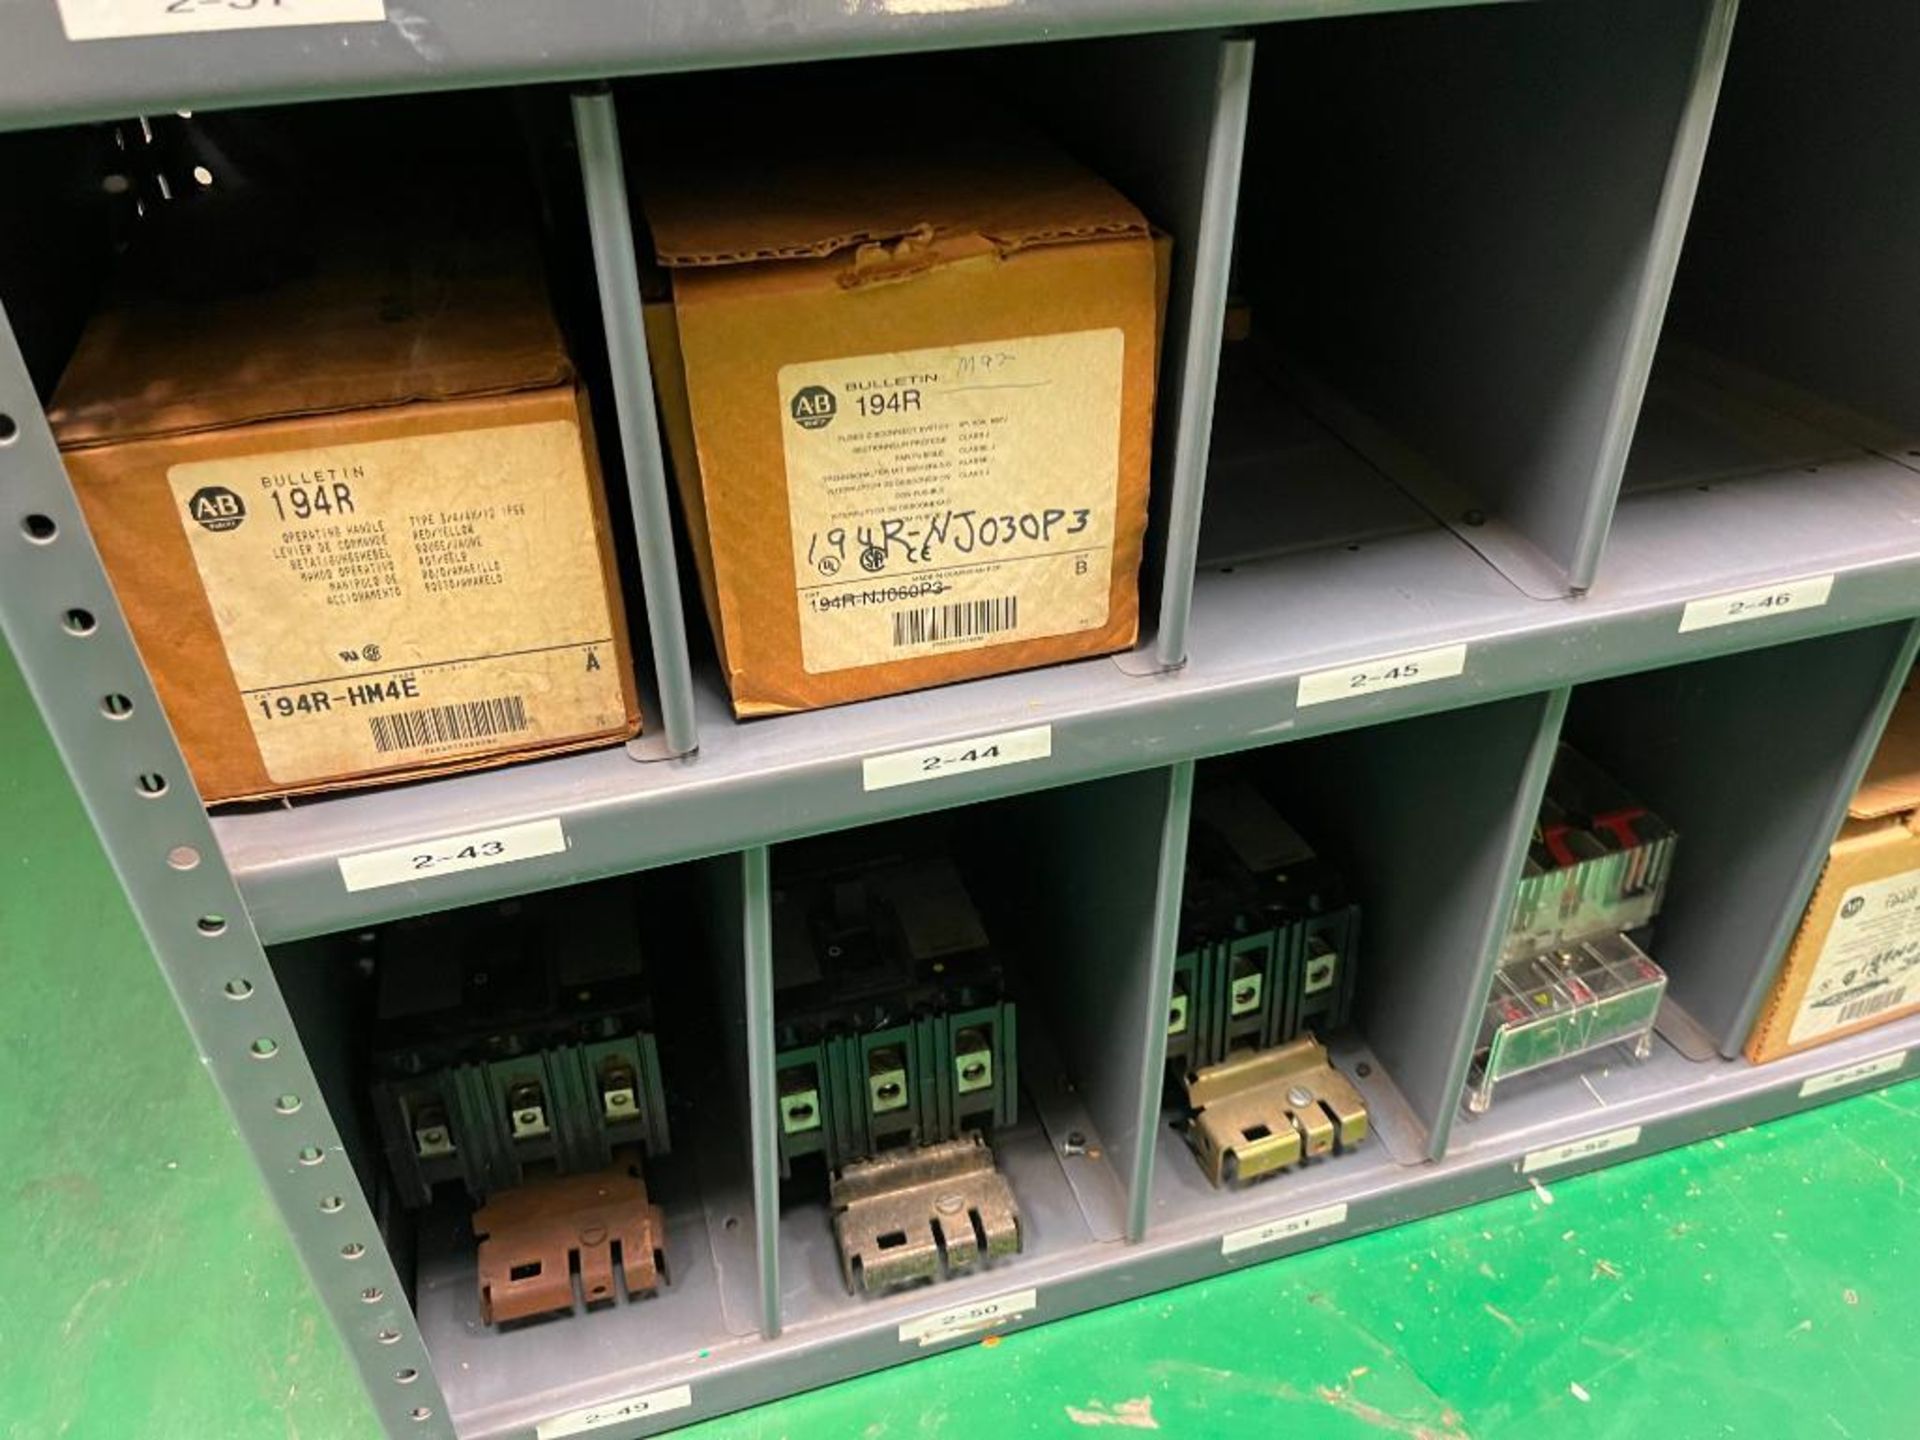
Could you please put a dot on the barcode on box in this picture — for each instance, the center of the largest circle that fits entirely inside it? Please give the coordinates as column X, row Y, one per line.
column 449, row 724
column 1871, row 1004
column 967, row 620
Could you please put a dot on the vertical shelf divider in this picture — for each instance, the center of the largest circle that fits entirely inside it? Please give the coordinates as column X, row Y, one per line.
column 1667, row 235
column 744, row 908
column 1178, row 159
column 1530, row 788
column 1169, row 884
column 1436, row 859
column 603, row 175
column 1199, row 292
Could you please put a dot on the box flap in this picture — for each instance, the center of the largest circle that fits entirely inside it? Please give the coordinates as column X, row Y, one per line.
column 359, row 321
column 756, row 194
column 1892, row 784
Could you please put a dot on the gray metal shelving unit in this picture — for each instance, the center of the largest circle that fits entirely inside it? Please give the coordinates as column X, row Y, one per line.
column 1468, row 427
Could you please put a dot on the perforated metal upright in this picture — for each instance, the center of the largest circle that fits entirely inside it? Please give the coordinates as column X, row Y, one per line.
column 1466, row 433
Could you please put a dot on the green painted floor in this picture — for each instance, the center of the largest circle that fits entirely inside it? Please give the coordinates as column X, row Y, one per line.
column 1765, row 1285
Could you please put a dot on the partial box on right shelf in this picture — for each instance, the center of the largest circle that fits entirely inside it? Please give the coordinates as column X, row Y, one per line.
column 1855, row 962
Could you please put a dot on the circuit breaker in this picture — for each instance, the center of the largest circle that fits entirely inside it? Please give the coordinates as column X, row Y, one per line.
column 514, row 1061
column 897, row 1059
column 1572, row 980
column 1266, row 961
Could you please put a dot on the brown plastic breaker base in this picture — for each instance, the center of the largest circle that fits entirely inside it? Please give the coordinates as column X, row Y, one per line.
column 1263, row 1111
column 918, row 1213
column 535, row 1236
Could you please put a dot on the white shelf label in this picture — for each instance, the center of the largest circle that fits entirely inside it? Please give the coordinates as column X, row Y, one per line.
column 630, row 1407
column 118, row 19
column 1389, row 672
column 969, row 1319
column 1851, row 1074
column 1579, row 1149
column 452, row 854
column 983, row 752
column 1257, row 1235
column 1757, row 604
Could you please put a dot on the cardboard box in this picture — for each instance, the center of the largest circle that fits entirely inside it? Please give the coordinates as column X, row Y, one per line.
column 909, row 404
column 354, row 519
column 1856, row 960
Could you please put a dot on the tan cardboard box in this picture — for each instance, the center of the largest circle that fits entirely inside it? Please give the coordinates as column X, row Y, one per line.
column 1856, row 961
column 355, row 520
column 909, row 403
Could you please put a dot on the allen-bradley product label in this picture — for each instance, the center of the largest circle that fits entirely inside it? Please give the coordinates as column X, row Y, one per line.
column 953, row 498
column 396, row 601
column 1870, row 963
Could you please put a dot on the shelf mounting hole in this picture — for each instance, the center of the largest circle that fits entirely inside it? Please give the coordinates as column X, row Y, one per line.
column 152, row 784
column 79, row 622
column 265, row 1048
column 40, row 529
column 183, row 857
column 352, row 1250
column 212, row 925
column 372, row 1295
column 239, row 989
column 9, row 429
column 116, row 706
column 332, row 1205
column 421, row 1412
column 311, row 1155
column 406, row 1376
column 287, row 1104
column 387, row 1337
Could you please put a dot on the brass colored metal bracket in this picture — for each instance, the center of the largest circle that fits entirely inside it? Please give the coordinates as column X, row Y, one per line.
column 534, row 1236
column 1259, row 1112
column 921, row 1213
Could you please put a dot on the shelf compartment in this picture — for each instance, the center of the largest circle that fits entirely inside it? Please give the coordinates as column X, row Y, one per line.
column 714, row 1298
column 1065, row 884
column 1751, row 758
column 1453, row 225
column 1428, row 854
column 1793, row 292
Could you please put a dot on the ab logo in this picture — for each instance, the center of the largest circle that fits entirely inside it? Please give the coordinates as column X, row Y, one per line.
column 813, row 407
column 216, row 507
column 1853, row 907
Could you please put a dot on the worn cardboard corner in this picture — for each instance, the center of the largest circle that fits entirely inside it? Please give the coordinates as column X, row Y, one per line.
column 1863, row 884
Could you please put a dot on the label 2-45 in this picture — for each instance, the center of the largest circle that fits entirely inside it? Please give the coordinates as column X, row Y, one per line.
column 1388, row 672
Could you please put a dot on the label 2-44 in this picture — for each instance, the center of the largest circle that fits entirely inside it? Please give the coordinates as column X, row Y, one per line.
column 982, row 752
